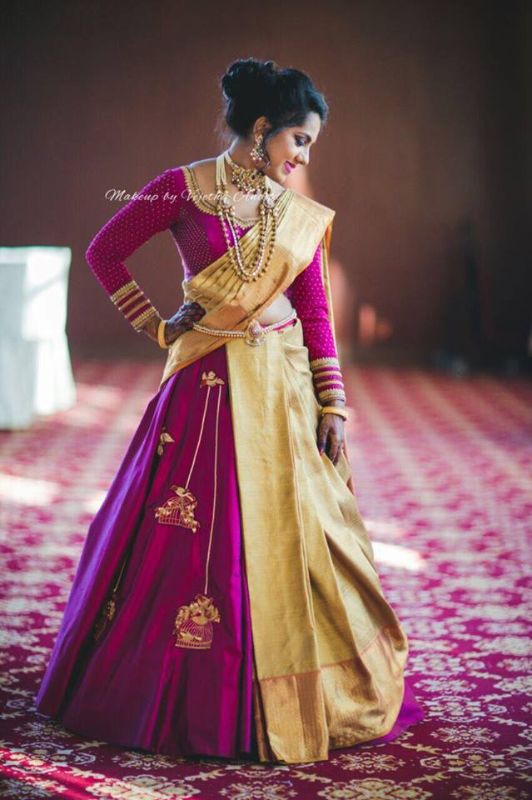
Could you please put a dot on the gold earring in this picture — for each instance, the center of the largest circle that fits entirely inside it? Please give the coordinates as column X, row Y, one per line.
column 257, row 152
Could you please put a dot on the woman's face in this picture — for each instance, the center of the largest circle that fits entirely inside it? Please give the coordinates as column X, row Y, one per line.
column 290, row 148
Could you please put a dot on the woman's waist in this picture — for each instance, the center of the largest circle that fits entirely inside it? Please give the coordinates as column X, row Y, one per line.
column 255, row 331
column 279, row 310
column 209, row 295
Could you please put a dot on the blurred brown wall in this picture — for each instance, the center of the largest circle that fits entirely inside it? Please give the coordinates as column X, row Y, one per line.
column 427, row 129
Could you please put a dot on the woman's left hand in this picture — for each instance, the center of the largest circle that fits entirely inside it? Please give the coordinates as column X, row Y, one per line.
column 331, row 436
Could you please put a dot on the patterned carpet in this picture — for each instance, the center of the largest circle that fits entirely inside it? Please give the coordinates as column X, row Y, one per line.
column 442, row 469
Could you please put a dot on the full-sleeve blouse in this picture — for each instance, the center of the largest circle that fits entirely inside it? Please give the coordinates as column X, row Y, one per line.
column 171, row 201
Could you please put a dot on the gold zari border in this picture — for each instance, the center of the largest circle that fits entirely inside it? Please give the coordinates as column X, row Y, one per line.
column 325, row 362
column 139, row 323
column 325, row 394
column 125, row 289
column 339, row 705
column 129, row 313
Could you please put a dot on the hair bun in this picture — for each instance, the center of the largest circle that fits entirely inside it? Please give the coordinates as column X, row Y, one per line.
column 246, row 76
column 284, row 96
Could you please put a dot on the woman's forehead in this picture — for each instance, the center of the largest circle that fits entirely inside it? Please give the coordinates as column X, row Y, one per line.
column 311, row 126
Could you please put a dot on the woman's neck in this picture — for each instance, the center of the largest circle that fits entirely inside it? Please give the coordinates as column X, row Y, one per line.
column 239, row 152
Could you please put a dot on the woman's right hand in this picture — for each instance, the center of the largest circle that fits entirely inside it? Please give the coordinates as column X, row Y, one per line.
column 182, row 321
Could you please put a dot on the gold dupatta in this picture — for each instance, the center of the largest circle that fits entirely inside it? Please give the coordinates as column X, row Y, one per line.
column 229, row 301
column 329, row 651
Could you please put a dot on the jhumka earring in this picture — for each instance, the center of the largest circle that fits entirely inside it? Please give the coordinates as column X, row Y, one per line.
column 257, row 152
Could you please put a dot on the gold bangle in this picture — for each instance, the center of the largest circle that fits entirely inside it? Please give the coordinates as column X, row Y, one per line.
column 334, row 410
column 160, row 334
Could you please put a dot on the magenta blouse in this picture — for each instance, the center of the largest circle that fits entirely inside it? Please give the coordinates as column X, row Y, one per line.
column 172, row 201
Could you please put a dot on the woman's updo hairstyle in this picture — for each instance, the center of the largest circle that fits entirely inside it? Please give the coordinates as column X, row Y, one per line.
column 253, row 89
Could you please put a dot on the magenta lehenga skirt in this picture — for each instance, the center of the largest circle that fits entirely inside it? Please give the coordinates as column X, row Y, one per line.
column 134, row 663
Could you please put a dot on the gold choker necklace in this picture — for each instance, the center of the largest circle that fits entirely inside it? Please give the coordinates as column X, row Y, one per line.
column 247, row 179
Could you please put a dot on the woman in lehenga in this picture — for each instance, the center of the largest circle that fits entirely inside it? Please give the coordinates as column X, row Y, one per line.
column 226, row 602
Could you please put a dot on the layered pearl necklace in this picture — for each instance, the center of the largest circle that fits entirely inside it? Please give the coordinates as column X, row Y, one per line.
column 246, row 180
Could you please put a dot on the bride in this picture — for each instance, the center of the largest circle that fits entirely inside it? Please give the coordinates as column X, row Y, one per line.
column 226, row 601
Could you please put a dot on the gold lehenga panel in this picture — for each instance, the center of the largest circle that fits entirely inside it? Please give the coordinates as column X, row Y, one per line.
column 329, row 651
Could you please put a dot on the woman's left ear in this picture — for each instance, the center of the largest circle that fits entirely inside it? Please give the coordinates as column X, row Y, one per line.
column 263, row 126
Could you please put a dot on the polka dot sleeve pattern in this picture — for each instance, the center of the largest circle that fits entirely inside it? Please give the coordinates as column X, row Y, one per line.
column 307, row 295
column 151, row 210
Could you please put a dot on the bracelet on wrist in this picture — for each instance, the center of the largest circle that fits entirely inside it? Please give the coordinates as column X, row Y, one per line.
column 341, row 412
column 161, row 327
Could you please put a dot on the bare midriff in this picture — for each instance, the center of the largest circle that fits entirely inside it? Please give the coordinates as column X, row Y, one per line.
column 276, row 311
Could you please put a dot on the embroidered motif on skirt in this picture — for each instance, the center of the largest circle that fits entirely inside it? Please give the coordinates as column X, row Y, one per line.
column 164, row 438
column 109, row 609
column 211, row 379
column 106, row 616
column 179, row 510
column 193, row 623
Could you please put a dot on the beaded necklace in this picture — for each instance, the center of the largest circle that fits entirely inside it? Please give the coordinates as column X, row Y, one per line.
column 226, row 213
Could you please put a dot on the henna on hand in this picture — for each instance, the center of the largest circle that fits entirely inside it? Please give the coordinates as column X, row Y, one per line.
column 182, row 320
column 331, row 436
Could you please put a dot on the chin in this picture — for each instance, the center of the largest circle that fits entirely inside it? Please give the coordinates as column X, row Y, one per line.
column 281, row 175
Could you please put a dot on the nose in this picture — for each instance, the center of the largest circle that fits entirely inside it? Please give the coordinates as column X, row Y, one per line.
column 303, row 158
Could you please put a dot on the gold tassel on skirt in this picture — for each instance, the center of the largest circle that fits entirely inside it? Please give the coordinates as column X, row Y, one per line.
column 329, row 651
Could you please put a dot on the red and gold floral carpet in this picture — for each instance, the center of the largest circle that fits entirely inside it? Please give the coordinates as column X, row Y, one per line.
column 442, row 468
